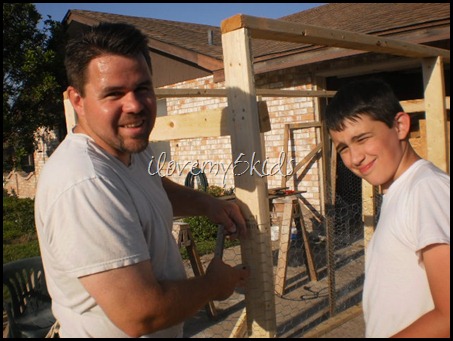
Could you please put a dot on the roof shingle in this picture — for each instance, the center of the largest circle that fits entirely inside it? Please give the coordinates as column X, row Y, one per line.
column 372, row 18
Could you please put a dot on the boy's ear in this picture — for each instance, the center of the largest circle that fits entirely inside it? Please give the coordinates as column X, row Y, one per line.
column 403, row 124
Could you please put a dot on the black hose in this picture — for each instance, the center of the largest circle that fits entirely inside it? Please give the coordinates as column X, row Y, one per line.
column 202, row 181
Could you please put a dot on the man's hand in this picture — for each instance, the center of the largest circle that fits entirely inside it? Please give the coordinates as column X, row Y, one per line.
column 228, row 214
column 226, row 278
column 189, row 202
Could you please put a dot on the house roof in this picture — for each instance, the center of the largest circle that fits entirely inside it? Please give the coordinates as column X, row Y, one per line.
column 415, row 22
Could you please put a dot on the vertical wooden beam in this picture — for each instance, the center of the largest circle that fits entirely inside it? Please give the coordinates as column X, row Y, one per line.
column 320, row 106
column 329, row 160
column 285, row 155
column 184, row 238
column 436, row 114
column 308, row 252
column 69, row 112
column 283, row 250
column 368, row 211
column 250, row 187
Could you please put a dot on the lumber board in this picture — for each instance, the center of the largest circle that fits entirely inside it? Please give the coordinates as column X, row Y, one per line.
column 308, row 251
column 172, row 93
column 307, row 157
column 250, row 189
column 292, row 211
column 272, row 29
column 320, row 103
column 286, row 135
column 205, row 123
column 183, row 235
column 368, row 212
column 304, row 125
column 69, row 112
column 283, row 250
column 435, row 112
column 240, row 328
column 334, row 322
column 329, row 160
column 418, row 105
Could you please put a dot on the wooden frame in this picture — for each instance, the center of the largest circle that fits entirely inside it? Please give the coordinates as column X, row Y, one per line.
column 241, row 120
column 237, row 33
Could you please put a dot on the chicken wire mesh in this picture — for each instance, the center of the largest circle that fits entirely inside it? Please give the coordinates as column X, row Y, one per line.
column 333, row 248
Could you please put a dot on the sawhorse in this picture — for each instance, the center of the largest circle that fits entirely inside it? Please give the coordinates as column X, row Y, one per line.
column 181, row 231
column 292, row 211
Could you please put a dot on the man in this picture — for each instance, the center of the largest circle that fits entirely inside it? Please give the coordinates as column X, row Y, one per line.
column 104, row 222
column 407, row 274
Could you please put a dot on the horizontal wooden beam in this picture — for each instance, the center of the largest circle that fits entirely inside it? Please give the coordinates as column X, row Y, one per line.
column 294, row 93
column 271, row 29
column 169, row 93
column 206, row 123
column 212, row 123
column 418, row 105
column 304, row 125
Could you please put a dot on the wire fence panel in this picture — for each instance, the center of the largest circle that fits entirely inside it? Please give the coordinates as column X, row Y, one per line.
column 305, row 300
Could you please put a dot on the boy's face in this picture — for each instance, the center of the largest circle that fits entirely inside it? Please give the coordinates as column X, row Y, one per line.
column 372, row 150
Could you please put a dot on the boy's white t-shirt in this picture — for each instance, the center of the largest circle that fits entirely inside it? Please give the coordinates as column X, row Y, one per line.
column 415, row 213
column 94, row 214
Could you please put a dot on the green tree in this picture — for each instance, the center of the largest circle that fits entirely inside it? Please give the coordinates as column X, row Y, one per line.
column 33, row 79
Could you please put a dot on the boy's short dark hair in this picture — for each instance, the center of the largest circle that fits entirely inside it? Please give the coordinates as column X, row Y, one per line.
column 372, row 97
column 106, row 38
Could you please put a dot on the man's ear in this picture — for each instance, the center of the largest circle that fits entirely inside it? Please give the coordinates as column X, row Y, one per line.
column 76, row 100
column 403, row 124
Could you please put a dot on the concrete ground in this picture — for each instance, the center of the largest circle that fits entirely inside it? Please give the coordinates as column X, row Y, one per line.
column 347, row 324
column 296, row 318
column 354, row 328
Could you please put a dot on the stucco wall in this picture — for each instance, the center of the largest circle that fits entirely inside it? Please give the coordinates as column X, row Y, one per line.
column 21, row 184
column 24, row 184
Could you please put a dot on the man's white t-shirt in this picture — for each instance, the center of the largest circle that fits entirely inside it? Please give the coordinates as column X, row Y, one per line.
column 94, row 214
column 415, row 213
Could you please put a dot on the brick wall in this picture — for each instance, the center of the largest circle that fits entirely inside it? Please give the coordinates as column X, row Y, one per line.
column 215, row 153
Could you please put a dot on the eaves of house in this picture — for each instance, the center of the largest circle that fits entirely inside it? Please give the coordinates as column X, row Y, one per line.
column 177, row 46
column 199, row 46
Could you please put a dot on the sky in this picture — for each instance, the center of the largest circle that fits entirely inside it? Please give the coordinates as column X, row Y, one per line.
column 198, row 13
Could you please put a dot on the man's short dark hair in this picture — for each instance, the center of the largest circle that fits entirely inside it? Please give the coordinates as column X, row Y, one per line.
column 106, row 38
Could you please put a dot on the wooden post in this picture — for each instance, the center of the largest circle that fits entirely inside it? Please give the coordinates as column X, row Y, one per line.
column 308, row 252
column 329, row 165
column 368, row 211
column 69, row 112
column 320, row 106
column 286, row 133
column 184, row 238
column 436, row 114
column 250, row 186
column 285, row 233
column 292, row 212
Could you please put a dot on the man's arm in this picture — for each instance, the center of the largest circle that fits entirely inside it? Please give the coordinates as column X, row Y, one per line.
column 436, row 323
column 138, row 304
column 189, row 202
